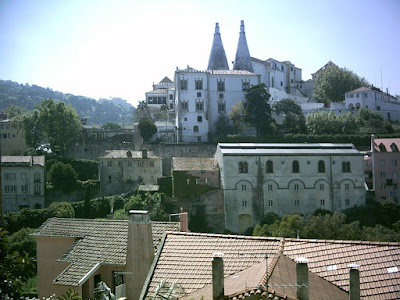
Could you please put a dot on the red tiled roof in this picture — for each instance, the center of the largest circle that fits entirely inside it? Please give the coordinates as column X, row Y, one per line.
column 185, row 258
column 360, row 90
column 388, row 144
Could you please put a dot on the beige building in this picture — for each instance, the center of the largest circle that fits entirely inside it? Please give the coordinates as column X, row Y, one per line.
column 11, row 141
column 22, row 182
column 287, row 179
column 79, row 253
column 122, row 171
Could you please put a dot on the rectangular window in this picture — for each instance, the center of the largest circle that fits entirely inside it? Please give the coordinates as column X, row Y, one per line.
column 200, row 106
column 296, row 202
column 120, row 164
column 365, row 95
column 109, row 179
column 347, row 202
column 394, row 175
column 184, row 84
column 151, row 163
column 395, row 186
column 383, row 186
column 24, row 189
column 197, row 180
column 244, row 203
column 10, row 176
column 37, row 189
column 171, row 106
column 129, row 164
column 207, row 180
column 139, row 164
column 296, row 187
column 245, row 85
column 269, row 187
column 171, row 97
column 346, row 167
column 199, row 84
column 394, row 162
column 321, row 187
column 346, row 186
column 383, row 175
column 322, row 202
column 221, row 107
column 244, row 187
column 270, row 203
column 220, row 85
column 382, row 163
column 23, row 175
column 185, row 105
column 188, row 181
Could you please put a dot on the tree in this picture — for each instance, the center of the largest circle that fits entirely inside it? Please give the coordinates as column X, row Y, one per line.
column 147, row 128
column 63, row 177
column 61, row 210
column 370, row 121
column 334, row 82
column 286, row 106
column 30, row 127
column 222, row 126
column 257, row 111
column 22, row 241
column 111, row 125
column 154, row 203
column 236, row 116
column 14, row 111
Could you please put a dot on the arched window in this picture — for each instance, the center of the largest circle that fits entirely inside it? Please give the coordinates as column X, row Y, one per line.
column 196, row 129
column 295, row 167
column 358, row 105
column 269, row 166
column 321, row 166
column 199, row 119
column 243, row 167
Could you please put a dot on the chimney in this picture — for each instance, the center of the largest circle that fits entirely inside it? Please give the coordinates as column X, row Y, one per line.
column 144, row 153
column 183, row 220
column 354, row 282
column 140, row 252
column 302, row 291
column 218, row 276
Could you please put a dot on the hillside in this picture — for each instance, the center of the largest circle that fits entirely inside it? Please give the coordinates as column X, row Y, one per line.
column 102, row 111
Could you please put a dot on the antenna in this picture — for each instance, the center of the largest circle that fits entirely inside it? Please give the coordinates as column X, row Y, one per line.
column 381, row 80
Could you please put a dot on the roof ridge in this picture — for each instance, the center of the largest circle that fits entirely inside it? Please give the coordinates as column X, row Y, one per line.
column 273, row 263
column 221, row 235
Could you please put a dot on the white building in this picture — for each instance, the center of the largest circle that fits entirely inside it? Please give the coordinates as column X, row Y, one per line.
column 287, row 179
column 22, row 182
column 384, row 103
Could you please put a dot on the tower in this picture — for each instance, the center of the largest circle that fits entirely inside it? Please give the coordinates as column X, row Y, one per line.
column 217, row 59
column 242, row 59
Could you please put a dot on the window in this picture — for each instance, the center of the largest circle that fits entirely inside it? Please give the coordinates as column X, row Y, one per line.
column 383, row 186
column 383, row 175
column 347, row 202
column 199, row 119
column 10, row 188
column 245, row 85
column 188, row 181
column 199, row 106
column 151, row 163
column 23, row 175
column 184, row 84
column 295, row 167
column 296, row 187
column 358, row 95
column 244, row 187
column 269, row 187
column 281, row 83
column 321, row 187
column 129, row 164
column 296, row 202
column 394, row 148
column 365, row 95
column 197, row 180
column 322, row 202
column 24, row 189
column 139, row 164
column 378, row 108
column 270, row 203
column 272, row 81
column 321, row 166
column 394, row 175
column 109, row 179
column 382, row 163
column 37, row 189
column 171, row 106
column 36, row 177
column 10, row 176
column 346, row 167
column 243, row 167
column 185, row 105
column 120, row 164
column 199, row 84
column 221, row 107
column 109, row 163
column 244, row 203
column 291, row 80
column 395, row 187
column 171, row 97
column 196, row 129
column 221, row 96
column 282, row 68
column 346, row 186
column 207, row 180
column 220, row 85
column 394, row 162
column 269, row 166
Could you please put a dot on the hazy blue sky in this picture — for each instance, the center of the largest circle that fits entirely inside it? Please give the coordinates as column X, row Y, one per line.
column 119, row 48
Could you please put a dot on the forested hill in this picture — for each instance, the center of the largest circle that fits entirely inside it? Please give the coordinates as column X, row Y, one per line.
column 96, row 112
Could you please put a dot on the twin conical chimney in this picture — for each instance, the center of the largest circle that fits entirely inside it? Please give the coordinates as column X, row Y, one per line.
column 242, row 59
column 217, row 59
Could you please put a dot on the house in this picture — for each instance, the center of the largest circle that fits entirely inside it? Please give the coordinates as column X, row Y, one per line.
column 287, row 179
column 123, row 170
column 382, row 166
column 385, row 104
column 79, row 253
column 11, row 141
column 22, row 182
column 184, row 262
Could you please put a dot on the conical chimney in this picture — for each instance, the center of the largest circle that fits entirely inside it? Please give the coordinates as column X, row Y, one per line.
column 217, row 60
column 242, row 59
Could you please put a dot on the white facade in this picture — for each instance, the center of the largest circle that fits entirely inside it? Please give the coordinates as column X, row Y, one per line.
column 22, row 182
column 287, row 179
column 202, row 95
column 385, row 104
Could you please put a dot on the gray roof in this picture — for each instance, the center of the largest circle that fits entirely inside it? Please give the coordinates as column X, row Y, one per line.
column 32, row 160
column 97, row 242
column 217, row 60
column 230, row 72
column 242, row 59
column 193, row 163
column 124, row 154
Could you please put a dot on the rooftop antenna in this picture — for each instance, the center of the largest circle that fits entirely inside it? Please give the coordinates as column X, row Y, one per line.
column 381, row 80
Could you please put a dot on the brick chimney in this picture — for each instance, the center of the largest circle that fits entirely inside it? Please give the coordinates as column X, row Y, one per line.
column 302, row 291
column 140, row 252
column 218, row 276
column 354, row 282
column 183, row 221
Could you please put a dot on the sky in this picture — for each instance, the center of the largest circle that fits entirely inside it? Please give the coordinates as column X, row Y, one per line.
column 102, row 49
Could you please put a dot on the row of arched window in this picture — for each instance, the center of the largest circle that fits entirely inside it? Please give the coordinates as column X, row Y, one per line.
column 269, row 167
